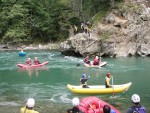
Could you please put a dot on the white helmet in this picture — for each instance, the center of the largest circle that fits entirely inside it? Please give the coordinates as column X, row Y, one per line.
column 135, row 98
column 96, row 57
column 30, row 102
column 28, row 58
column 35, row 57
column 75, row 101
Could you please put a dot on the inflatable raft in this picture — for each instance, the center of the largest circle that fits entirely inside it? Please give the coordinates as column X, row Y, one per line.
column 100, row 65
column 32, row 66
column 94, row 105
column 22, row 54
column 99, row 89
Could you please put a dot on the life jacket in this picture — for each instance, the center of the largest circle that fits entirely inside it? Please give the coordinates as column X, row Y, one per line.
column 139, row 109
column 107, row 79
column 26, row 110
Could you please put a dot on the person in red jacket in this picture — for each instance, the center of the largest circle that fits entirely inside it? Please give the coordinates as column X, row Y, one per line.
column 28, row 62
column 36, row 61
column 96, row 61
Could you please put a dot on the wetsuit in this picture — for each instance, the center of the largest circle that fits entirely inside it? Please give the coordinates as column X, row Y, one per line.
column 28, row 62
column 36, row 62
column 96, row 62
column 83, row 82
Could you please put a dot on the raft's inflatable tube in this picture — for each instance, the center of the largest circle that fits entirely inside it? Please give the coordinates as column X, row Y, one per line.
column 22, row 54
column 94, row 105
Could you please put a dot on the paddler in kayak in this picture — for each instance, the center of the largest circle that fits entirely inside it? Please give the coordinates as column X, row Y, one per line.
column 28, row 108
column 28, row 62
column 107, row 80
column 36, row 61
column 84, row 80
column 86, row 60
column 96, row 61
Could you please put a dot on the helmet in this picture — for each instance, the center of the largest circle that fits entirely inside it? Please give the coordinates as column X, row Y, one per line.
column 83, row 75
column 135, row 98
column 28, row 58
column 108, row 74
column 75, row 101
column 35, row 57
column 30, row 102
column 96, row 57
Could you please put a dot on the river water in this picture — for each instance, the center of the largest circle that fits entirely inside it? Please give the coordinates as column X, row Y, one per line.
column 47, row 85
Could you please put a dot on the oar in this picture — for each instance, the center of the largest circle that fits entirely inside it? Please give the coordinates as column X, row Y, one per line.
column 113, row 88
column 99, row 105
column 91, row 106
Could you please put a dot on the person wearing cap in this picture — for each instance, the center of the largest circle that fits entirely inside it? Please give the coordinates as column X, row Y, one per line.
column 136, row 108
column 28, row 108
column 28, row 62
column 36, row 61
column 107, row 80
column 75, row 103
column 96, row 61
column 84, row 80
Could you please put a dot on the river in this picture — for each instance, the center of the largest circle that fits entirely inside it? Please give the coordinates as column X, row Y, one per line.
column 47, row 85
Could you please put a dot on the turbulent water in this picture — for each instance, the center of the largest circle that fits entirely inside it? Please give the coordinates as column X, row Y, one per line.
column 47, row 85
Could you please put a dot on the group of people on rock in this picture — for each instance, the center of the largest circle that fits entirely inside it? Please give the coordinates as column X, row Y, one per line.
column 136, row 108
column 35, row 61
column 96, row 60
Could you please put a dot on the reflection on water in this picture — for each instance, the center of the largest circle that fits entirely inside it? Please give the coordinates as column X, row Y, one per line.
column 32, row 71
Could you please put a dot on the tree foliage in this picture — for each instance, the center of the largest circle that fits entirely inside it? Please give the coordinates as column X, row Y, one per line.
column 44, row 20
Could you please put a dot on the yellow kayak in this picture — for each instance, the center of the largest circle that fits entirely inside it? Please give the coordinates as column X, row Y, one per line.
column 99, row 89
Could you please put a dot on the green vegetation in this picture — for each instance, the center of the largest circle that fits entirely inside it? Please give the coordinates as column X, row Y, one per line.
column 31, row 21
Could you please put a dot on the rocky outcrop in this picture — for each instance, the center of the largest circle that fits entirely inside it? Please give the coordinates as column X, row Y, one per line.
column 123, row 32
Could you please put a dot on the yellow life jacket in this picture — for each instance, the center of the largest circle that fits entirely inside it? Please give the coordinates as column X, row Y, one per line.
column 26, row 110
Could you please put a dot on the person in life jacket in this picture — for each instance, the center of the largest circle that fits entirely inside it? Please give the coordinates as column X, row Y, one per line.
column 75, row 103
column 96, row 61
column 36, row 61
column 28, row 62
column 28, row 108
column 107, row 80
column 107, row 109
column 84, row 80
column 136, row 108
column 86, row 60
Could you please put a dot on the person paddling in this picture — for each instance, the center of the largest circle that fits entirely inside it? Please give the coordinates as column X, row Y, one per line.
column 136, row 108
column 107, row 80
column 28, row 62
column 86, row 60
column 96, row 61
column 36, row 61
column 28, row 108
column 84, row 80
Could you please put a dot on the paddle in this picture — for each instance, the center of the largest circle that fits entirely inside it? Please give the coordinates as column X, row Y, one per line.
column 99, row 105
column 113, row 88
column 91, row 106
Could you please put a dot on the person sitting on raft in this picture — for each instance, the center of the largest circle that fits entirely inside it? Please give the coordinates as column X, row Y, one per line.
column 36, row 61
column 107, row 109
column 83, row 81
column 96, row 61
column 107, row 80
column 28, row 108
column 75, row 103
column 86, row 60
column 28, row 62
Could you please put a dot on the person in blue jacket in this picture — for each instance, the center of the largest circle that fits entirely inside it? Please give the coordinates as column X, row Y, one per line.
column 84, row 80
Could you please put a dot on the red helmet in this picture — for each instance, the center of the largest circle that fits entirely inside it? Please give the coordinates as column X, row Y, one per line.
column 108, row 74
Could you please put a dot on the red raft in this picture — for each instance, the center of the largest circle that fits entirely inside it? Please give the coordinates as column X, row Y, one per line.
column 32, row 66
column 94, row 105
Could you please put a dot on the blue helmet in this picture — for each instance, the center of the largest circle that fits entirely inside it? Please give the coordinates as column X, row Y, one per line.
column 83, row 75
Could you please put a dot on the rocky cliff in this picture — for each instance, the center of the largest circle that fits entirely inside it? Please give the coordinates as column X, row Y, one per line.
column 125, row 31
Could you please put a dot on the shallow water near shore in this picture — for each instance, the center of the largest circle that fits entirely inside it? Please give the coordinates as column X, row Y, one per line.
column 47, row 85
